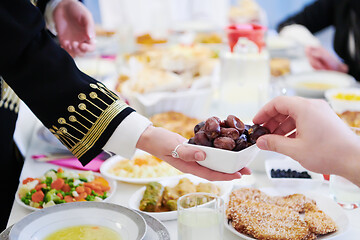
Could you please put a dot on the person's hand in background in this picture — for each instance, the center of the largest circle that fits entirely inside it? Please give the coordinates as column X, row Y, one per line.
column 321, row 142
column 321, row 59
column 75, row 27
column 160, row 143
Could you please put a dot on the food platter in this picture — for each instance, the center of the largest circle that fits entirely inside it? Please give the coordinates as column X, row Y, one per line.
column 37, row 225
column 315, row 83
column 225, row 188
column 295, row 183
column 325, row 204
column 110, row 162
column 112, row 184
column 155, row 229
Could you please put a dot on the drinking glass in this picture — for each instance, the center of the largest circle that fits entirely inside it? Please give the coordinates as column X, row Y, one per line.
column 344, row 192
column 200, row 216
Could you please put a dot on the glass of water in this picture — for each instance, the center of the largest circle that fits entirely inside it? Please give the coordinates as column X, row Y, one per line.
column 344, row 192
column 200, row 216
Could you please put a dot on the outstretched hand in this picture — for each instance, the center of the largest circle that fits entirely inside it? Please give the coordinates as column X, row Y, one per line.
column 310, row 132
column 75, row 27
column 160, row 143
column 320, row 59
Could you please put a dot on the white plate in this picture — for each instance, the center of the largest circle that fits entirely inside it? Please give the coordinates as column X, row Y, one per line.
column 109, row 163
column 155, row 229
column 283, row 47
column 37, row 225
column 298, row 183
column 324, row 203
column 336, row 79
column 134, row 201
column 340, row 105
column 112, row 184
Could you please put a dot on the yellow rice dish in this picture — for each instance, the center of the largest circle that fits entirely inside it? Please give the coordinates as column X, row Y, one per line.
column 316, row 85
column 144, row 166
column 347, row 96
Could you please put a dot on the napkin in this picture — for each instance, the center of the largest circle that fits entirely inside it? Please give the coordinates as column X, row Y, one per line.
column 94, row 165
column 70, row 161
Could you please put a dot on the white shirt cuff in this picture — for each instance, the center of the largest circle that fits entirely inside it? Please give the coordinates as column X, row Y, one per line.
column 49, row 18
column 124, row 139
column 299, row 34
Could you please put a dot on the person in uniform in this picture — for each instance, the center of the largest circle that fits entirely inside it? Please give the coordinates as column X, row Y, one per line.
column 80, row 111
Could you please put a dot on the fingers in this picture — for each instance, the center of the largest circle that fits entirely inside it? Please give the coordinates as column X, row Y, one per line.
column 87, row 47
column 283, row 105
column 203, row 172
column 76, row 49
column 245, row 171
column 316, row 58
column 190, row 154
column 279, row 144
column 274, row 122
column 343, row 68
column 87, row 22
column 285, row 127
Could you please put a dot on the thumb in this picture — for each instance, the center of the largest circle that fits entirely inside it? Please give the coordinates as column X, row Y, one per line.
column 279, row 144
column 88, row 26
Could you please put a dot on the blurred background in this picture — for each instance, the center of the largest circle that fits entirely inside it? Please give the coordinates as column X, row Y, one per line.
column 276, row 11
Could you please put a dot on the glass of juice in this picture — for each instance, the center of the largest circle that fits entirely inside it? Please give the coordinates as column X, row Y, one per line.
column 200, row 216
column 344, row 192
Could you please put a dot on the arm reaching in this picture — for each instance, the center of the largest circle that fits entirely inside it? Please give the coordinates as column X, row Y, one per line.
column 310, row 132
column 161, row 143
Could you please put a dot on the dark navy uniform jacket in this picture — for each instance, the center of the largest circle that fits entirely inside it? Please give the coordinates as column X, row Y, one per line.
column 80, row 111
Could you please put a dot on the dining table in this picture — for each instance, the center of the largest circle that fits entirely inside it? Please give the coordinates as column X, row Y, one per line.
column 258, row 179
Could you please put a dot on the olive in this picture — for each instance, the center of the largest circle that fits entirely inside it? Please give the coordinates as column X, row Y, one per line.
column 257, row 131
column 229, row 132
column 212, row 127
column 201, row 138
column 199, row 126
column 244, row 137
column 234, row 122
column 241, row 144
column 224, row 143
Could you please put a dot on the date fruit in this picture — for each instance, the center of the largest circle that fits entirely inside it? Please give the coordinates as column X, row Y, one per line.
column 224, row 143
column 201, row 138
column 257, row 131
column 234, row 122
column 212, row 127
column 230, row 134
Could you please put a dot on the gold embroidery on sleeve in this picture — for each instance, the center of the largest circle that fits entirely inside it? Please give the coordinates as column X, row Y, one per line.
column 8, row 99
column 85, row 126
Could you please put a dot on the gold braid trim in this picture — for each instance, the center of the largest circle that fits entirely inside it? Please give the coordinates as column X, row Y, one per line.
column 8, row 98
column 98, row 128
column 82, row 128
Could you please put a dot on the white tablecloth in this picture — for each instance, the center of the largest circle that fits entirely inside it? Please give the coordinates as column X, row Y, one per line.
column 125, row 190
column 34, row 145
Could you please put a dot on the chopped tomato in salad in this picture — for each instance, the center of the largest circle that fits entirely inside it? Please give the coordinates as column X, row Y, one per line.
column 61, row 186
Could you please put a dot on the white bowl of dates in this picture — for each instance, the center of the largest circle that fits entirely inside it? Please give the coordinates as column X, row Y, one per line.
column 287, row 172
column 229, row 144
